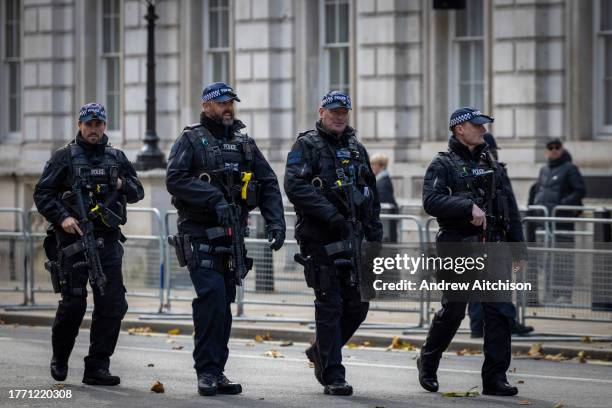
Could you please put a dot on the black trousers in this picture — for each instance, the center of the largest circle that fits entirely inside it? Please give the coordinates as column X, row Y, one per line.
column 339, row 312
column 108, row 311
column 497, row 343
column 212, row 315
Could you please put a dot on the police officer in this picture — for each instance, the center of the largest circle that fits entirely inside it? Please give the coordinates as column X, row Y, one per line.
column 326, row 167
column 450, row 195
column 214, row 168
column 109, row 181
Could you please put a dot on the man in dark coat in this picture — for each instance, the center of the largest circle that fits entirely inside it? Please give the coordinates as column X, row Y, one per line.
column 560, row 183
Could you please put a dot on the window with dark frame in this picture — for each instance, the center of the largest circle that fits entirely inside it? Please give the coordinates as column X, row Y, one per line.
column 12, row 61
column 336, row 44
column 219, row 40
column 111, row 61
column 468, row 41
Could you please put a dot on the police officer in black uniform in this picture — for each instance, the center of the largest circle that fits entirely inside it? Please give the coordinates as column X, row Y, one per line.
column 213, row 168
column 111, row 182
column 320, row 163
column 450, row 194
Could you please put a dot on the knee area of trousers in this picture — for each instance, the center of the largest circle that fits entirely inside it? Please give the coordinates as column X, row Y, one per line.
column 74, row 304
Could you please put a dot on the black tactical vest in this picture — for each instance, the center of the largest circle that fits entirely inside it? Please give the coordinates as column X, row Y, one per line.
column 333, row 164
column 100, row 170
column 213, row 159
column 473, row 181
column 102, row 174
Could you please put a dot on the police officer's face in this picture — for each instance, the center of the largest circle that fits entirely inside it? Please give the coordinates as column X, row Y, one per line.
column 470, row 134
column 334, row 120
column 92, row 130
column 222, row 112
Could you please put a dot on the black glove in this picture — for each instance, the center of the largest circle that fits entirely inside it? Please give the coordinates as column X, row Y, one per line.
column 224, row 214
column 278, row 236
column 337, row 223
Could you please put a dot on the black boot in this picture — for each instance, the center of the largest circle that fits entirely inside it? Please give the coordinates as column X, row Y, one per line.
column 313, row 356
column 520, row 329
column 428, row 380
column 339, row 387
column 100, row 376
column 501, row 388
column 225, row 386
column 207, row 384
column 59, row 369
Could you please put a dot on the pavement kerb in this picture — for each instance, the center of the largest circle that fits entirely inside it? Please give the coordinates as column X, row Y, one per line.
column 245, row 331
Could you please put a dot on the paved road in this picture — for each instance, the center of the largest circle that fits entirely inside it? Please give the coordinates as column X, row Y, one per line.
column 381, row 378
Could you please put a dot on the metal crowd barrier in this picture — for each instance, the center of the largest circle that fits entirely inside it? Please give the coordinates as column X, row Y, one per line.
column 144, row 261
column 151, row 271
column 571, row 279
column 137, row 266
column 13, row 256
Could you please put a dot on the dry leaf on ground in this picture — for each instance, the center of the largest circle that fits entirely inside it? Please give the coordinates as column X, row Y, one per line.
column 177, row 348
column 174, row 331
column 582, row 358
column 273, row 354
column 158, row 387
column 469, row 393
column 286, row 343
column 140, row 330
column 524, row 402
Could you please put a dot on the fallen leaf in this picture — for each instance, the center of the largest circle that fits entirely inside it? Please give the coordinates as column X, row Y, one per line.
column 469, row 393
column 556, row 357
column 263, row 337
column 150, row 365
column 273, row 354
column 174, row 331
column 59, row 386
column 467, row 352
column 366, row 344
column 399, row 344
column 559, row 405
column 524, row 402
column 535, row 350
column 352, row 345
column 310, row 364
column 140, row 330
column 158, row 387
column 250, row 344
column 286, row 343
column 586, row 339
column 520, row 382
column 582, row 358
column 177, row 348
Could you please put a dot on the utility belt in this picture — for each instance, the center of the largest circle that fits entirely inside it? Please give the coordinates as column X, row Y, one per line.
column 196, row 251
column 57, row 258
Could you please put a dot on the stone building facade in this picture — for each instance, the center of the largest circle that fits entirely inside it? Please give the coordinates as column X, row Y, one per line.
column 543, row 68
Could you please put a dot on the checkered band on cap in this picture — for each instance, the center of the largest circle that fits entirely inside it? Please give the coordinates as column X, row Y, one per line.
column 216, row 93
column 336, row 97
column 464, row 118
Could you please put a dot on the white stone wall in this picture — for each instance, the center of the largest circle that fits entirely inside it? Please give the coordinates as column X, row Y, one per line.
column 48, row 79
column 265, row 80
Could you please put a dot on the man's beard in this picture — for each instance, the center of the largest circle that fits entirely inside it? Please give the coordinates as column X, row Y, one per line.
column 227, row 120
